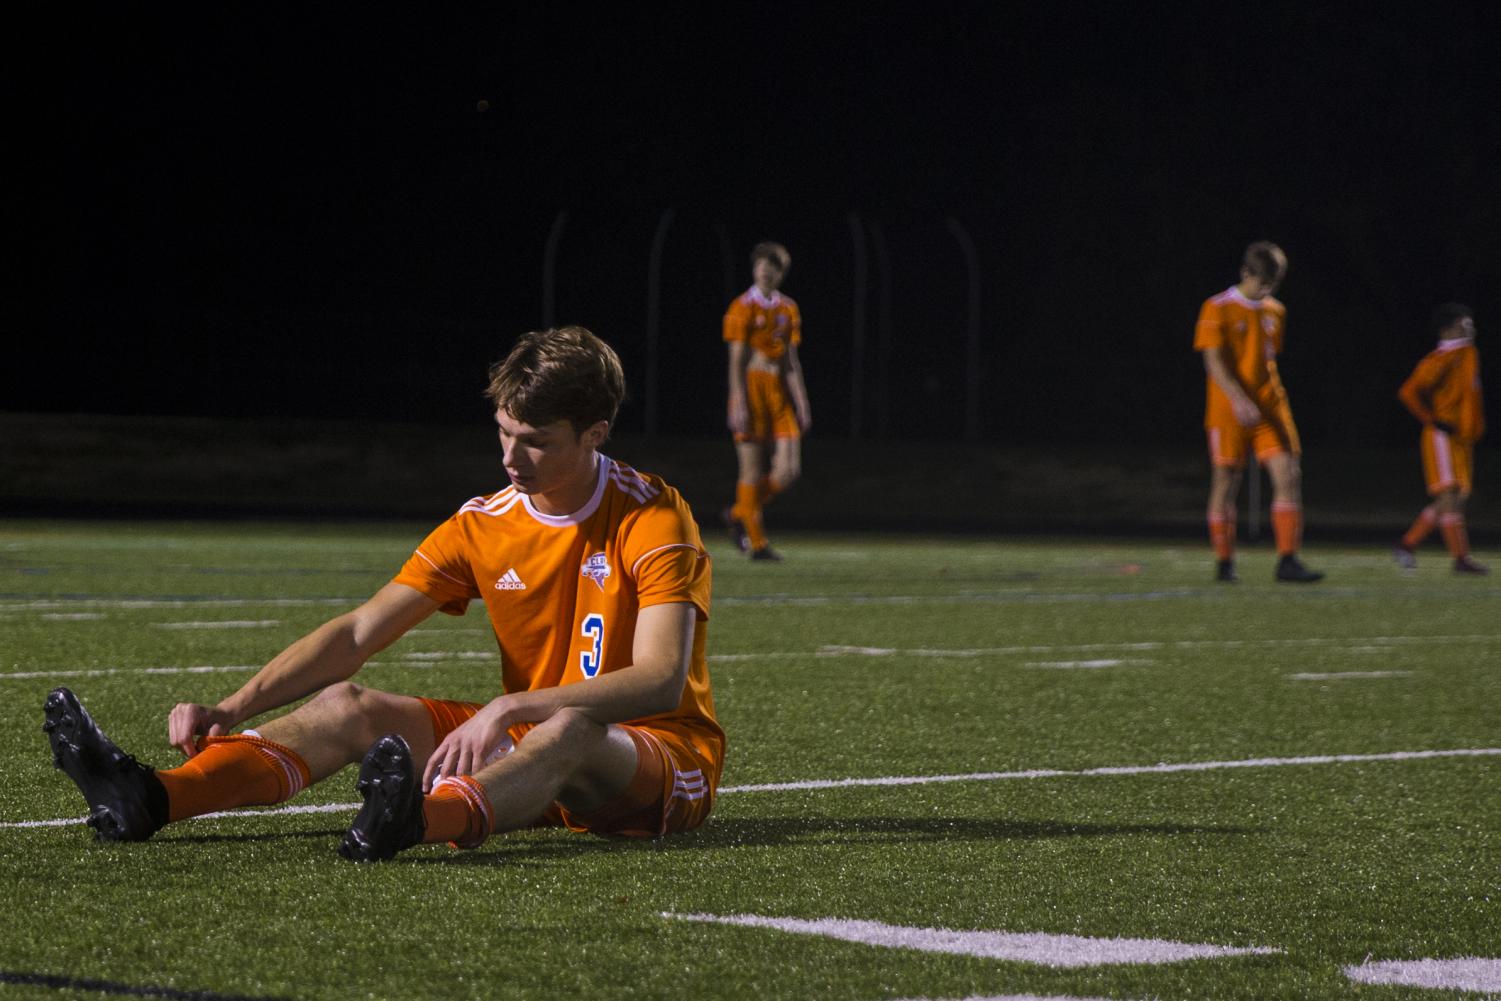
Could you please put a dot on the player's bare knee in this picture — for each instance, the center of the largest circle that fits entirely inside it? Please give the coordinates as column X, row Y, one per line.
column 573, row 727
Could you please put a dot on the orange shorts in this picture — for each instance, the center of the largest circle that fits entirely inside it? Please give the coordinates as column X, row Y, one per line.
column 673, row 789
column 1447, row 464
column 1230, row 442
column 771, row 412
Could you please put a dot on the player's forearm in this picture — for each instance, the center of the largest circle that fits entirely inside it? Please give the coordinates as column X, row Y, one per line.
column 1415, row 404
column 1214, row 364
column 738, row 361
column 618, row 697
column 327, row 655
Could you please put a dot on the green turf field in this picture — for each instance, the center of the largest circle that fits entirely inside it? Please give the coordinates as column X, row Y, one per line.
column 1038, row 697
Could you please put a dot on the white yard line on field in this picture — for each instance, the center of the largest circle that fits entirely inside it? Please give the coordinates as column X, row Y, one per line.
column 1085, row 664
column 1337, row 675
column 1057, row 951
column 37, row 604
column 1364, row 644
column 220, row 624
column 1467, row 973
column 105, row 672
column 911, row 780
column 1112, row 770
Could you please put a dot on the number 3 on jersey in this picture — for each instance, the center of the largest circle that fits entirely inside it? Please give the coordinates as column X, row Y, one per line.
column 593, row 630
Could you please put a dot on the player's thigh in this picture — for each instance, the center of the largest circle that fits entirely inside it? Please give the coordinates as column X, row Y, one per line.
column 787, row 457
column 1446, row 463
column 1278, row 433
column 352, row 713
column 604, row 768
column 672, row 788
column 1227, row 446
column 751, row 456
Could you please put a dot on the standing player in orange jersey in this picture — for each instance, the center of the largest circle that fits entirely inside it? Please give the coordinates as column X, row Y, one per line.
column 597, row 586
column 1239, row 335
column 1443, row 393
column 768, row 401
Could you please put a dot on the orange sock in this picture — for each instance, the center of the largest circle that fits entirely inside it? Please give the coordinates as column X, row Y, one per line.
column 766, row 489
column 748, row 510
column 1426, row 520
column 457, row 811
column 1452, row 526
column 1287, row 526
column 1222, row 534
column 242, row 770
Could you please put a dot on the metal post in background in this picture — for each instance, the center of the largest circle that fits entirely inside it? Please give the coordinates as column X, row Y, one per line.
column 883, row 331
column 654, row 321
column 972, row 334
column 857, row 337
column 550, row 271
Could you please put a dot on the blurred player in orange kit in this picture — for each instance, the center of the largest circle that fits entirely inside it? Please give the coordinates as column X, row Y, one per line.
column 1239, row 335
column 597, row 587
column 768, row 402
column 1443, row 393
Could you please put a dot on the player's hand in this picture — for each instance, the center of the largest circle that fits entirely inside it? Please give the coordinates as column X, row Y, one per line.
column 472, row 745
column 1445, row 427
column 1246, row 412
column 189, row 720
column 804, row 418
column 739, row 417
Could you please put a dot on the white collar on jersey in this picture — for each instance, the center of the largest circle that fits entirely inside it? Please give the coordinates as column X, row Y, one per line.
column 602, row 464
column 1455, row 342
column 765, row 300
column 1237, row 295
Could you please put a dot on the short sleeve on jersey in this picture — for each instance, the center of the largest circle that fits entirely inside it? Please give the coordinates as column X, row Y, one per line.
column 736, row 322
column 672, row 574
column 440, row 569
column 1208, row 333
column 797, row 323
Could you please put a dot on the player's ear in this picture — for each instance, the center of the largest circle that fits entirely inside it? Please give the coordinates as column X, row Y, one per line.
column 595, row 436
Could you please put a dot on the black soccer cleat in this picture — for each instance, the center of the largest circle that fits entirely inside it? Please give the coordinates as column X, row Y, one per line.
column 766, row 553
column 1224, row 572
column 1290, row 569
column 1464, row 565
column 391, row 819
column 127, row 802
column 738, row 536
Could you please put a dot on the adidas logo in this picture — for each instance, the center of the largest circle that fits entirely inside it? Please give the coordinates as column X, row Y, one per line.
column 509, row 581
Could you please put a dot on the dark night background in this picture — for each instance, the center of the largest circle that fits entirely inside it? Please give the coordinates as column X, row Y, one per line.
column 301, row 212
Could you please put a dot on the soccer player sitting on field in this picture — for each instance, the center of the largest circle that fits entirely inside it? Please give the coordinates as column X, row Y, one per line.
column 597, row 586
column 768, row 403
column 1443, row 393
column 1239, row 335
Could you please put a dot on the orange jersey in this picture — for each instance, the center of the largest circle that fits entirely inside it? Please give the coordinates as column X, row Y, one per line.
column 563, row 592
column 1445, row 387
column 1249, row 335
column 768, row 325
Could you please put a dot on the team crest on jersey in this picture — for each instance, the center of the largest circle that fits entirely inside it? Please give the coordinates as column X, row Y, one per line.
column 1240, row 326
column 597, row 568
